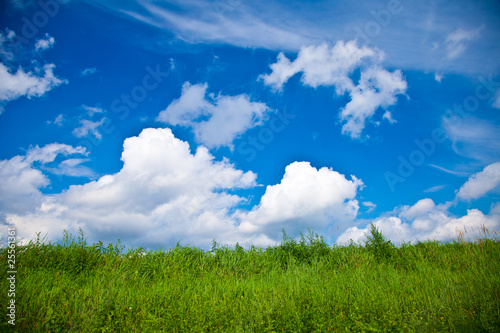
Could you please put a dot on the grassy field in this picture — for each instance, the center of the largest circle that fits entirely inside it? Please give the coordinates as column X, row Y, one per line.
column 299, row 286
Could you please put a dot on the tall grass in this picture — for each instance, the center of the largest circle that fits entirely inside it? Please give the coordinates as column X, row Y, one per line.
column 300, row 285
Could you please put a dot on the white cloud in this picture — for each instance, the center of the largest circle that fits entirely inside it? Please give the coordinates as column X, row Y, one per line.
column 199, row 21
column 13, row 86
column 163, row 194
column 434, row 188
column 88, row 71
column 91, row 110
column 455, row 42
column 72, row 167
column 15, row 82
column 44, row 43
column 473, row 138
column 19, row 189
column 420, row 208
column 58, row 121
column 438, row 77
column 481, row 183
column 228, row 116
column 306, row 197
column 427, row 221
column 323, row 66
column 377, row 88
column 371, row 206
column 410, row 36
column 88, row 126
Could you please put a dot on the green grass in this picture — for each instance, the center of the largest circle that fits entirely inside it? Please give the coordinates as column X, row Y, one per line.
column 297, row 286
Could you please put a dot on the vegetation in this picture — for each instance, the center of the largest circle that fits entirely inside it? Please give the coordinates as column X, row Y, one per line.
column 300, row 285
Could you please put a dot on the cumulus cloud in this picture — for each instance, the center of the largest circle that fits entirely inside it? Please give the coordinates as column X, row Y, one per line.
column 306, row 197
column 320, row 65
column 20, row 83
column 15, row 81
column 45, row 43
column 377, row 88
column 324, row 66
column 427, row 221
column 21, row 181
column 481, row 183
column 215, row 121
column 456, row 41
column 163, row 194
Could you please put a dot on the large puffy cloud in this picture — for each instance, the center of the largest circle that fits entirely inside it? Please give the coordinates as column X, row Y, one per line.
column 228, row 116
column 19, row 188
column 481, row 183
column 306, row 197
column 427, row 221
column 162, row 194
column 323, row 66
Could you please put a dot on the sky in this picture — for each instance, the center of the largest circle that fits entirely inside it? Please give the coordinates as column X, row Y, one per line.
column 158, row 122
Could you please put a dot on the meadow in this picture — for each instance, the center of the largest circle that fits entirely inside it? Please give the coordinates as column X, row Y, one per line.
column 300, row 285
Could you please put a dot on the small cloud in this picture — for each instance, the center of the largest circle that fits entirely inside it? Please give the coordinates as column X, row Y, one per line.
column 438, row 77
column 44, row 43
column 435, row 188
column 371, row 206
column 451, row 172
column 388, row 116
column 91, row 110
column 58, row 121
column 88, row 71
column 455, row 42
column 72, row 167
column 481, row 183
column 172, row 64
column 88, row 126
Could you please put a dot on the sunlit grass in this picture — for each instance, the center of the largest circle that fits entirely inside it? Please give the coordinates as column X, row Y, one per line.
column 298, row 286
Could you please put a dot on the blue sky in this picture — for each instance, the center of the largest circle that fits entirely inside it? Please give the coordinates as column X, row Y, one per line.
column 164, row 121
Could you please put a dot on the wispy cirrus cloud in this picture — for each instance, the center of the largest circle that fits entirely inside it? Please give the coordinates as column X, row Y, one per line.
column 456, row 41
column 256, row 25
